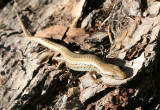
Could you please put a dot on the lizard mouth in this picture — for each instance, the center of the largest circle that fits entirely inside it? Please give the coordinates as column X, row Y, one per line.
column 116, row 77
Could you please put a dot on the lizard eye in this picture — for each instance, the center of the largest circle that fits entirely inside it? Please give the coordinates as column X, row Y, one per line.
column 113, row 76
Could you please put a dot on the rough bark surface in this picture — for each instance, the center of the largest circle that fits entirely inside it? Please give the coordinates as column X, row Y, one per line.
column 30, row 77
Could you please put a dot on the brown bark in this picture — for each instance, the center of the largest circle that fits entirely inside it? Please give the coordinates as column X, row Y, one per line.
column 32, row 79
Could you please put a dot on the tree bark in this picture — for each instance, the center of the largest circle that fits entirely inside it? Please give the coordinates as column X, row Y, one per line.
column 124, row 33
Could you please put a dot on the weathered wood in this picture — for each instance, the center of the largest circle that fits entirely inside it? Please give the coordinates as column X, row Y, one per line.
column 32, row 79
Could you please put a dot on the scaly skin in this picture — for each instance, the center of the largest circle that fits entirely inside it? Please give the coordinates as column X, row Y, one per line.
column 78, row 62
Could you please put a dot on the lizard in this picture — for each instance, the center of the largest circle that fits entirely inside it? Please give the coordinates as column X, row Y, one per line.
column 75, row 61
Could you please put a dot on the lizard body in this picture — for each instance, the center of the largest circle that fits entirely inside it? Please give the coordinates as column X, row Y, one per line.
column 78, row 62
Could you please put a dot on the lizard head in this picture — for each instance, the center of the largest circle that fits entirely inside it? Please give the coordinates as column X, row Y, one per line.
column 112, row 71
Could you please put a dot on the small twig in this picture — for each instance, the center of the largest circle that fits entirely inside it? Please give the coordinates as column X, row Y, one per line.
column 106, row 20
column 109, row 33
column 108, row 16
column 110, row 39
